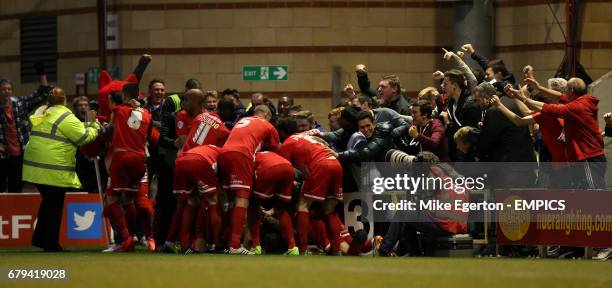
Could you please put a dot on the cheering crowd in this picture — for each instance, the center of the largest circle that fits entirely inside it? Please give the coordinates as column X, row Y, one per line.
column 200, row 172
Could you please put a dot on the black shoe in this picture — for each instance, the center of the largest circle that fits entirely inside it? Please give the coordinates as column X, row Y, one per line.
column 55, row 249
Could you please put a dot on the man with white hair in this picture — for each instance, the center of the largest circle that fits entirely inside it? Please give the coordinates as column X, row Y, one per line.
column 581, row 129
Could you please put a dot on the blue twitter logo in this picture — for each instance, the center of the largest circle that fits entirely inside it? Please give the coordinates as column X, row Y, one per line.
column 84, row 220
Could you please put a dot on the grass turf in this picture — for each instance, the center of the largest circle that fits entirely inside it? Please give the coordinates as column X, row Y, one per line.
column 94, row 269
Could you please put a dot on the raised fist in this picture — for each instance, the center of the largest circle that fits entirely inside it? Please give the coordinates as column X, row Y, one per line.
column 437, row 75
column 360, row 68
column 468, row 48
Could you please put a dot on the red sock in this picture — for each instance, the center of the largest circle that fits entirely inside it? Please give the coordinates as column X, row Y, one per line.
column 335, row 228
column 214, row 215
column 131, row 216
column 286, row 227
column 237, row 226
column 318, row 232
column 186, row 226
column 118, row 220
column 253, row 218
column 175, row 225
column 200, row 222
column 302, row 229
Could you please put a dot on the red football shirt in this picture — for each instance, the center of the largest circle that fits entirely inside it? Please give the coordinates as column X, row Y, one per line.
column 206, row 129
column 183, row 123
column 131, row 128
column 303, row 151
column 208, row 152
column 266, row 160
column 250, row 134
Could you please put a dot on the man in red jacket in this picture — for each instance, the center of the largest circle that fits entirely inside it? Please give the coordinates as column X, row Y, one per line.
column 584, row 142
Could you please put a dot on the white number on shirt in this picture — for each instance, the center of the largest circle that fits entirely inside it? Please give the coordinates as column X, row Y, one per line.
column 201, row 133
column 135, row 119
column 242, row 123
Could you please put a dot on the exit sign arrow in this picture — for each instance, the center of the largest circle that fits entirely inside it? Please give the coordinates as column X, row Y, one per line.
column 280, row 73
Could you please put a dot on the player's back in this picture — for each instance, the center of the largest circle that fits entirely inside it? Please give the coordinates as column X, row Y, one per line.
column 207, row 152
column 250, row 134
column 304, row 151
column 266, row 160
column 131, row 126
column 206, row 129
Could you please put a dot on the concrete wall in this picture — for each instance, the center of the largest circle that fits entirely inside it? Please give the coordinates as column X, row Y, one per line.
column 534, row 26
column 141, row 29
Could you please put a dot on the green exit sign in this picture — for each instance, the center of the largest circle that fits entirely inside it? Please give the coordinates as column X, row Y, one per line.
column 265, row 72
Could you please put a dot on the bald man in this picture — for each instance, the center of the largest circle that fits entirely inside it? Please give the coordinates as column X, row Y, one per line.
column 583, row 139
column 193, row 103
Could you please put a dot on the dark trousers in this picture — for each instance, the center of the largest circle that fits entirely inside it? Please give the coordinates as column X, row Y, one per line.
column 406, row 232
column 595, row 172
column 46, row 233
column 10, row 174
column 587, row 174
column 165, row 201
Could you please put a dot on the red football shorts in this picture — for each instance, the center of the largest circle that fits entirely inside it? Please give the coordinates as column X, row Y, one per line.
column 236, row 172
column 277, row 180
column 126, row 170
column 192, row 171
column 324, row 181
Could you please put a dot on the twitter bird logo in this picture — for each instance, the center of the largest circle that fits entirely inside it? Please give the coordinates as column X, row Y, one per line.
column 84, row 222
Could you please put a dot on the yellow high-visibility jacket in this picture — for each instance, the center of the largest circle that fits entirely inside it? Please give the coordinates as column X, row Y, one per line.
column 49, row 156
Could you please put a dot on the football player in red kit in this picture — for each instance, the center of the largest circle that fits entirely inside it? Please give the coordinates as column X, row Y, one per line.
column 322, row 181
column 192, row 103
column 206, row 129
column 131, row 130
column 273, row 177
column 197, row 169
column 236, row 166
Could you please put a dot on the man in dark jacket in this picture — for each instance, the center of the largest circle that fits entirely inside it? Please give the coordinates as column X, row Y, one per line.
column 378, row 141
column 502, row 141
column 461, row 108
column 495, row 70
column 389, row 89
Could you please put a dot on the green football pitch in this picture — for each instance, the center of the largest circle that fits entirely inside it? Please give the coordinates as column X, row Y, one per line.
column 94, row 269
